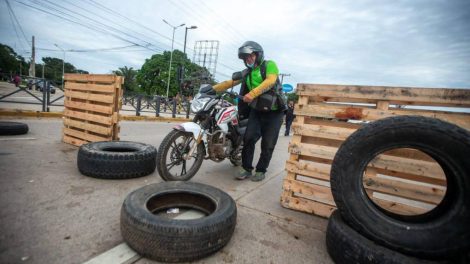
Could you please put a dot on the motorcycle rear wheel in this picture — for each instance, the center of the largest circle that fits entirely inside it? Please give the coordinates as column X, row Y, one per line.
column 170, row 155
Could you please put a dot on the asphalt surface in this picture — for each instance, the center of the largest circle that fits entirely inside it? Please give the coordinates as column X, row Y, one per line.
column 53, row 214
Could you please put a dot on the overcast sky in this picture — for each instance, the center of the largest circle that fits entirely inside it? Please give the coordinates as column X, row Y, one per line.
column 423, row 43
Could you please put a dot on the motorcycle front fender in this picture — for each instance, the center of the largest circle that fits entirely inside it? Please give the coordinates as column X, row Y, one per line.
column 190, row 127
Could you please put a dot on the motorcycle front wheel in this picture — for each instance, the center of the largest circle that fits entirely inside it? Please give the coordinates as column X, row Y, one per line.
column 171, row 164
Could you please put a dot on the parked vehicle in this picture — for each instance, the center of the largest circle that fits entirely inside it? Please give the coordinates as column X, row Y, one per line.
column 216, row 133
column 40, row 86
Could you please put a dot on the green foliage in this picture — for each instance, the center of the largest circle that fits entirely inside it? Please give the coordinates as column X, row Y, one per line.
column 153, row 75
column 292, row 97
column 10, row 62
column 53, row 69
column 130, row 78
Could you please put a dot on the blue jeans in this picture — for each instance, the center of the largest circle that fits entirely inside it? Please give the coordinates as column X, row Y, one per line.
column 264, row 125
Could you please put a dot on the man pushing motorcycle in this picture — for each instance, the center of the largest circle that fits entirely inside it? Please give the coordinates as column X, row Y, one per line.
column 261, row 90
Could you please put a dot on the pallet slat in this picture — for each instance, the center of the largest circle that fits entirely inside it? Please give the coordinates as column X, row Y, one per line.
column 102, row 98
column 371, row 114
column 89, row 107
column 103, row 130
column 102, row 88
column 102, row 78
column 394, row 95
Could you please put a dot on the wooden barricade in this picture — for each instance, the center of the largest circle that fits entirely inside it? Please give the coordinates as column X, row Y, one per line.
column 92, row 103
column 403, row 181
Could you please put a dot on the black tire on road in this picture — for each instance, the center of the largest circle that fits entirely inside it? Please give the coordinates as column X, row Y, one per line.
column 168, row 145
column 116, row 159
column 441, row 232
column 13, row 128
column 346, row 246
column 168, row 240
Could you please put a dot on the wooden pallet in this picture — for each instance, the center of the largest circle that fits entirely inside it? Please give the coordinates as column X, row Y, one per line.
column 403, row 181
column 92, row 103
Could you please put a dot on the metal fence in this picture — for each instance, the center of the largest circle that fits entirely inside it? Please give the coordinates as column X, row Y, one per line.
column 157, row 104
column 44, row 86
column 139, row 103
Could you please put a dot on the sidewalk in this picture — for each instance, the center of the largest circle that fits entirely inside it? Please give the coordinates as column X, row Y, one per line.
column 53, row 214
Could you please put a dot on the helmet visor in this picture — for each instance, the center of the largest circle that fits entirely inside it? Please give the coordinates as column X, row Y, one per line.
column 244, row 52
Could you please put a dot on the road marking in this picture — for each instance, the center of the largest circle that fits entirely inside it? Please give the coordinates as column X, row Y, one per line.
column 8, row 139
column 120, row 254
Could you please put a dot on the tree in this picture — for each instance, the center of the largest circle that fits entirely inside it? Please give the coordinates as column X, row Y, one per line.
column 11, row 63
column 53, row 69
column 153, row 75
column 130, row 78
column 292, row 97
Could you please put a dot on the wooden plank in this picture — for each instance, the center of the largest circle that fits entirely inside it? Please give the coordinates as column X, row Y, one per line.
column 103, row 98
column 310, row 190
column 103, row 78
column 310, row 169
column 85, row 136
column 73, row 141
column 89, row 87
column 322, row 131
column 417, row 192
column 89, row 117
column 370, row 114
column 382, row 105
column 394, row 95
column 103, row 130
column 410, row 166
column 308, row 206
column 89, row 107
column 441, row 181
column 399, row 208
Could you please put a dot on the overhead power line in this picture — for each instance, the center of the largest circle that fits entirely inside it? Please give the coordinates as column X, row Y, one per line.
column 92, row 50
column 86, row 26
column 16, row 25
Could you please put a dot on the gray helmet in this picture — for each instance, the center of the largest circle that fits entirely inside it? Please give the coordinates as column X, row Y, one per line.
column 251, row 47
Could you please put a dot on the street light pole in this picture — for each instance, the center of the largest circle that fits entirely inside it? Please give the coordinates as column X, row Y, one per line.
column 63, row 64
column 185, row 35
column 171, row 54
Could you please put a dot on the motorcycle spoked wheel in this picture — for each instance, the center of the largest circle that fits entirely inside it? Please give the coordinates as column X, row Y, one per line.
column 170, row 162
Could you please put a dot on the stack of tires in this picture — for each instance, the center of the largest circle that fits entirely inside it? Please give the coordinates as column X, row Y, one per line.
column 362, row 232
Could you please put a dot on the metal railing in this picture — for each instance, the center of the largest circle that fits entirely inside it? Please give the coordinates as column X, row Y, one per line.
column 157, row 104
column 43, row 85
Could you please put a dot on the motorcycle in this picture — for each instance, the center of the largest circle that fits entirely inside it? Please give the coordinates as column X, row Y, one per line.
column 215, row 133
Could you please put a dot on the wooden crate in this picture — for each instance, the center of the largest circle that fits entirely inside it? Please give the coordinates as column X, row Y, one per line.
column 404, row 181
column 92, row 103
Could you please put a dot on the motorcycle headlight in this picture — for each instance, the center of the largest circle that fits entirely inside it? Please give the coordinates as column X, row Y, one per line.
column 199, row 103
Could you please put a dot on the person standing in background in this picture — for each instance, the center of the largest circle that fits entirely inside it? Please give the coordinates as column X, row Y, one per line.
column 289, row 117
column 17, row 80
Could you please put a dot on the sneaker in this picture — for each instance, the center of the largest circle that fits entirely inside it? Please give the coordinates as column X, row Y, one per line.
column 243, row 174
column 259, row 176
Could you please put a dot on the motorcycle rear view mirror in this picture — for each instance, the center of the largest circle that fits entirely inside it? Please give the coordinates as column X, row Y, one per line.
column 236, row 76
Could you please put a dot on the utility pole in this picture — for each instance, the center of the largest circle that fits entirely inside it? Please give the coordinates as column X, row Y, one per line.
column 32, row 66
column 44, row 64
column 282, row 76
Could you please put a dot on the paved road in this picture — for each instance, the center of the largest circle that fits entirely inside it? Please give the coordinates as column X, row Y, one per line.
column 53, row 214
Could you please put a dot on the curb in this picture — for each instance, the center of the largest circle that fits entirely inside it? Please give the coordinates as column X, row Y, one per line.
column 38, row 114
